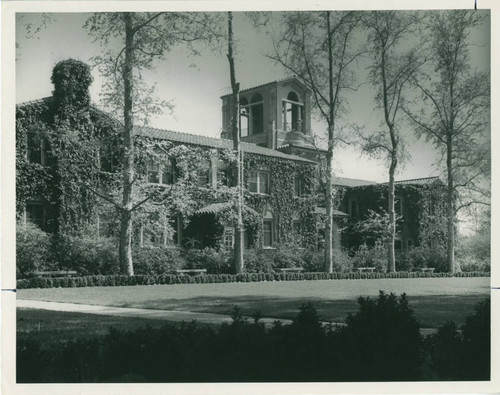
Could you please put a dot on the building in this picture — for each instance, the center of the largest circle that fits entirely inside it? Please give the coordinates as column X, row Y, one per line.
column 281, row 174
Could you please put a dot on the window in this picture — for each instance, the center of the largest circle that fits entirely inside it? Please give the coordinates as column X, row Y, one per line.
column 160, row 174
column 228, row 238
column 267, row 233
column 35, row 213
column 292, row 113
column 203, row 178
column 398, row 205
column 259, row 182
column 298, row 186
column 35, row 148
column 175, row 238
column 223, row 176
column 353, row 208
column 153, row 172
column 297, row 231
column 257, row 114
column 167, row 173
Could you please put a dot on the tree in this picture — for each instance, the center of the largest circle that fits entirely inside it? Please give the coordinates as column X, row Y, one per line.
column 317, row 48
column 391, row 68
column 235, row 131
column 143, row 38
column 453, row 113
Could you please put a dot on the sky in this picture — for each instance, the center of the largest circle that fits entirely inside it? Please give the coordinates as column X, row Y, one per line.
column 194, row 85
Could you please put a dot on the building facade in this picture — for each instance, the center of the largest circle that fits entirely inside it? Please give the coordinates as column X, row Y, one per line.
column 64, row 167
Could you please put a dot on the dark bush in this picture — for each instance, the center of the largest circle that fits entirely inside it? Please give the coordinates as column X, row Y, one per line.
column 476, row 334
column 420, row 257
column 465, row 354
column 86, row 255
column 381, row 341
column 154, row 261
column 258, row 261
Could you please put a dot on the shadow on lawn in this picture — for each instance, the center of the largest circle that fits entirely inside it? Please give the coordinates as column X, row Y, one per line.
column 431, row 311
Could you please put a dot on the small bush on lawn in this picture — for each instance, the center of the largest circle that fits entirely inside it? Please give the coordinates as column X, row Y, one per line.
column 215, row 261
column 154, row 261
column 314, row 261
column 468, row 263
column 86, row 255
column 32, row 249
column 288, row 256
column 423, row 257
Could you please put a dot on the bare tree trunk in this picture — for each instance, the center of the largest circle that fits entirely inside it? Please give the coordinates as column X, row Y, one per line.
column 450, row 208
column 391, row 253
column 235, row 129
column 329, row 157
column 125, row 249
column 329, row 210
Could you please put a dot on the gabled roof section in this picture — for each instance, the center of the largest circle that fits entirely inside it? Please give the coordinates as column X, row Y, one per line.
column 352, row 182
column 212, row 142
column 287, row 79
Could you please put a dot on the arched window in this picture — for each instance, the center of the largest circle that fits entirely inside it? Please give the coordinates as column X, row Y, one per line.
column 244, row 108
column 257, row 114
column 292, row 113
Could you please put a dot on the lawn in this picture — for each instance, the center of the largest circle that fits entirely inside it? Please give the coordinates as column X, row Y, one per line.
column 434, row 300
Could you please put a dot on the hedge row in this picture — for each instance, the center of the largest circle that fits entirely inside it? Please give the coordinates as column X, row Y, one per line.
column 120, row 280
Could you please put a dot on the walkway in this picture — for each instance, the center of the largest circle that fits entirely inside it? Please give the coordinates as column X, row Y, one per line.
column 167, row 315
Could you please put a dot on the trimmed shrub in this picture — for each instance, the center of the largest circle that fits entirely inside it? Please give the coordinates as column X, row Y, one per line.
column 32, row 249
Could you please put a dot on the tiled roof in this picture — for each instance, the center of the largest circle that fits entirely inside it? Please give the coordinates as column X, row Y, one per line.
column 212, row 142
column 43, row 100
column 351, row 182
column 214, row 208
column 269, row 83
column 418, row 181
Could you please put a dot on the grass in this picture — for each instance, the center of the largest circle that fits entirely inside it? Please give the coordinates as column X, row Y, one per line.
column 55, row 326
column 434, row 300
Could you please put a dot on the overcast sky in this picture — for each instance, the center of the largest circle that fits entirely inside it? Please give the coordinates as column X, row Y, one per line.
column 194, row 85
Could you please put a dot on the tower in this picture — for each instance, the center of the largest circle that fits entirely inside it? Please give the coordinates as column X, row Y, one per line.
column 275, row 115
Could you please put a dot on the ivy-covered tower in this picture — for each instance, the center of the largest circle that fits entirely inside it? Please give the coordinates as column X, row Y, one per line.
column 275, row 115
column 57, row 151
